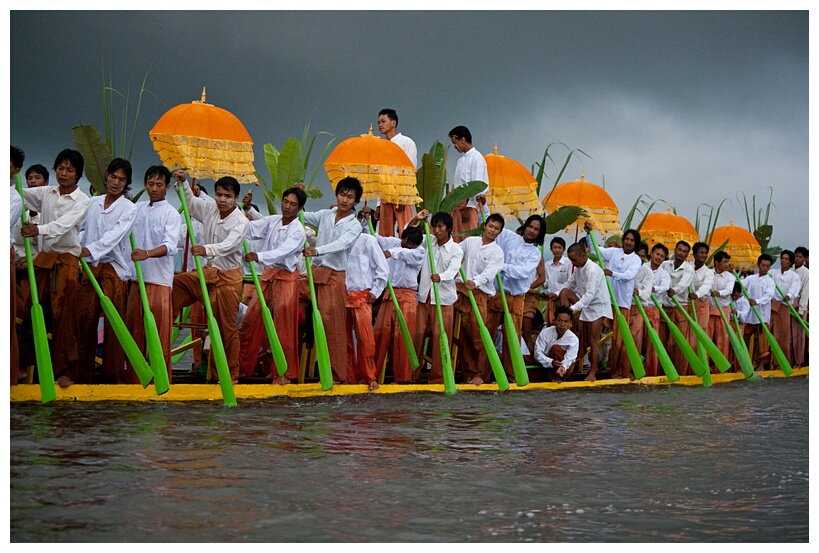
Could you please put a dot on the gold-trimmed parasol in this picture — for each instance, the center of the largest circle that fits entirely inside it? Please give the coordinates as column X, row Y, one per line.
column 207, row 141
column 383, row 168
column 513, row 189
column 667, row 229
column 603, row 212
column 742, row 246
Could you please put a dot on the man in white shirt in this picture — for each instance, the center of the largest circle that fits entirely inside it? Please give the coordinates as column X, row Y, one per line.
column 282, row 240
column 659, row 284
column 788, row 281
column 557, row 347
column 586, row 292
column 801, row 302
column 62, row 211
column 106, row 249
column 483, row 259
column 761, row 290
column 367, row 274
column 224, row 226
column 156, row 229
column 405, row 259
column 447, row 255
column 470, row 167
column 722, row 285
column 16, row 210
column 557, row 274
column 701, row 285
column 389, row 214
column 682, row 275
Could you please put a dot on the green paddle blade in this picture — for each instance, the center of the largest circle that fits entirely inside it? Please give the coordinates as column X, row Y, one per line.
column 45, row 373
column 662, row 355
column 178, row 356
column 777, row 351
column 681, row 342
column 702, row 337
column 267, row 318
column 791, row 308
column 186, row 312
column 443, row 339
column 512, row 340
column 738, row 346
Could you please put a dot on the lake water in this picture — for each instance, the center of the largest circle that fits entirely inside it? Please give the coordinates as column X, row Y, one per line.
column 637, row 464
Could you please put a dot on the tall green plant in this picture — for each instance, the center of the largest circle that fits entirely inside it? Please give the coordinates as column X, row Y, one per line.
column 642, row 207
column 289, row 166
column 757, row 220
column 541, row 171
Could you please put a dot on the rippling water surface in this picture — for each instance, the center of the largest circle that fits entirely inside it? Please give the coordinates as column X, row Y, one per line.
column 688, row 464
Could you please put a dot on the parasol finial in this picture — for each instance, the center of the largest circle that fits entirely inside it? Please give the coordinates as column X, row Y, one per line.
column 667, row 208
column 582, row 175
column 204, row 94
column 731, row 221
column 496, row 148
column 371, row 129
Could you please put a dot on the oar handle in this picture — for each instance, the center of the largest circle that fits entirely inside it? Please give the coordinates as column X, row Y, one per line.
column 35, row 299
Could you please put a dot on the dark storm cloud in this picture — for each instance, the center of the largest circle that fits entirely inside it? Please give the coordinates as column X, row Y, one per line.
column 690, row 107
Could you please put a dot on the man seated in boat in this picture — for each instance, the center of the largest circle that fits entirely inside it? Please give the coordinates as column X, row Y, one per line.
column 586, row 292
column 556, row 347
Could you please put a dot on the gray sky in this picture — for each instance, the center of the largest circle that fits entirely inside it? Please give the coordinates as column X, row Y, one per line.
column 689, row 107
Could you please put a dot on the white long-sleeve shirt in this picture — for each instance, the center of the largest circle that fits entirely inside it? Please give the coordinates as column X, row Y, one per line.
column 481, row 263
column 404, row 263
column 724, row 284
column 281, row 245
column 16, row 207
column 223, row 238
column 788, row 282
column 762, row 290
column 520, row 261
column 662, row 282
column 61, row 217
column 644, row 283
column 156, row 225
column 408, row 145
column 623, row 269
column 548, row 338
column 589, row 283
column 333, row 239
column 701, row 282
column 804, row 289
column 681, row 278
column 557, row 274
column 105, row 233
column 367, row 267
column 471, row 166
column 743, row 309
column 447, row 262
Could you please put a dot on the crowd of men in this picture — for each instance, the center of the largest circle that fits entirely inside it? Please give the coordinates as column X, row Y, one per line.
column 560, row 307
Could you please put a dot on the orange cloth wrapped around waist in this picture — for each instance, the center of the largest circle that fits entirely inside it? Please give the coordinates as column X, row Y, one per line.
column 357, row 299
column 270, row 274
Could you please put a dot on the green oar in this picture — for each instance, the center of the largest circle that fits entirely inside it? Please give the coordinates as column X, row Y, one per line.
column 739, row 348
column 124, row 337
column 178, row 356
column 702, row 337
column 443, row 340
column 790, row 306
column 682, row 343
column 275, row 344
column 777, row 351
column 622, row 323
column 45, row 372
column 217, row 347
column 512, row 340
column 180, row 319
column 662, row 355
column 152, row 342
column 402, row 323
column 488, row 343
column 319, row 335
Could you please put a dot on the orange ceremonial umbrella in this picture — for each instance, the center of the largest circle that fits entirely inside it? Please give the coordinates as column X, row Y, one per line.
column 667, row 229
column 742, row 246
column 207, row 141
column 602, row 210
column 383, row 168
column 513, row 189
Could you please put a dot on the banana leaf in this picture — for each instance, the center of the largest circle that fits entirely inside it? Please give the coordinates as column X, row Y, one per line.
column 95, row 152
column 563, row 217
column 461, row 193
column 291, row 164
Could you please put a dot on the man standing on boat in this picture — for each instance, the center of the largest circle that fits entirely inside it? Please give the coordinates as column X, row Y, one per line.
column 386, row 213
column 761, row 290
column 800, row 303
column 720, row 299
column 682, row 275
column 586, row 292
column 788, row 281
column 470, row 167
column 701, row 285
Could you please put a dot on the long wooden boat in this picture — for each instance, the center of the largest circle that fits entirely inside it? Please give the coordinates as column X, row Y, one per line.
column 212, row 392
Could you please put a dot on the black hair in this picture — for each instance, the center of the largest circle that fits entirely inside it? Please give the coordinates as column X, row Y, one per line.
column 697, row 245
column 443, row 218
column 721, row 256
column 350, row 183
column 39, row 169
column 801, row 249
column 737, row 288
column 229, row 183
column 390, row 113
column 204, row 190
column 687, row 245
column 564, row 309
column 642, row 246
column 118, row 163
column 634, row 234
column 74, row 158
column 17, row 157
column 542, row 234
column 497, row 218
column 764, row 257
column 787, row 253
column 558, row 240
column 158, row 171
column 576, row 248
column 301, row 196
column 659, row 246
column 413, row 236
column 461, row 132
